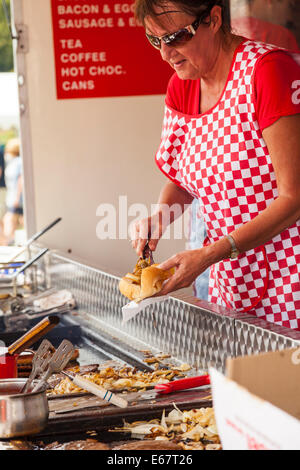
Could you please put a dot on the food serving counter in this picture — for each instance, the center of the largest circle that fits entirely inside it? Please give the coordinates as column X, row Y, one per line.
column 189, row 330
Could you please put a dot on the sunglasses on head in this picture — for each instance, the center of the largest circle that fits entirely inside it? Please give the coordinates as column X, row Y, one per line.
column 174, row 39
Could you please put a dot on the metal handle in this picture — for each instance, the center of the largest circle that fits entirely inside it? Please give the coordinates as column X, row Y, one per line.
column 29, row 263
column 33, row 335
column 34, row 237
column 41, row 232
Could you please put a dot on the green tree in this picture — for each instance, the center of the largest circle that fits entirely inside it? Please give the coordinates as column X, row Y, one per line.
column 6, row 49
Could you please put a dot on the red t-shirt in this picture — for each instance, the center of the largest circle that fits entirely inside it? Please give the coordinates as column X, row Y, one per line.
column 276, row 86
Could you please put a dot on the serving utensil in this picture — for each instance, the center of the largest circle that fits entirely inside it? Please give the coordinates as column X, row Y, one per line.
column 34, row 238
column 14, row 276
column 57, row 363
column 101, row 392
column 33, row 335
column 158, row 390
column 72, row 404
column 76, row 404
column 176, row 385
column 40, row 362
column 147, row 253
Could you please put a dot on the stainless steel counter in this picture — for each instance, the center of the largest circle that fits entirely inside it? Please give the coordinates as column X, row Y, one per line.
column 191, row 330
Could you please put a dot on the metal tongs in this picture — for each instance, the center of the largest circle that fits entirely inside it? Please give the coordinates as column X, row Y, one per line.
column 32, row 239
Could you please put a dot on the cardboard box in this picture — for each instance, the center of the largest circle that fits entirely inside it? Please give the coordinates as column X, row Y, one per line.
column 257, row 403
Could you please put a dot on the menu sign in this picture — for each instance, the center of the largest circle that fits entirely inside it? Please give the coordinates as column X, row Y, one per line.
column 100, row 51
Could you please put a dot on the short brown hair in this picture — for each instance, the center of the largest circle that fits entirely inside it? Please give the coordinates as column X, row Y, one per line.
column 13, row 147
column 199, row 8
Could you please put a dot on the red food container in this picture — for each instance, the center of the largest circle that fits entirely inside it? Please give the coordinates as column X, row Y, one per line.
column 8, row 364
column 9, row 356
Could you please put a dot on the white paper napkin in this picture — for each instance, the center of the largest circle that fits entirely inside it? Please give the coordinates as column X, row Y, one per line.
column 132, row 309
column 58, row 299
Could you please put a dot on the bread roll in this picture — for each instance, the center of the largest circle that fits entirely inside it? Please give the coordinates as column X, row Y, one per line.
column 144, row 281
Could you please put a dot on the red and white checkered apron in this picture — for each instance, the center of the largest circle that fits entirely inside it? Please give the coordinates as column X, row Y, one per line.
column 221, row 158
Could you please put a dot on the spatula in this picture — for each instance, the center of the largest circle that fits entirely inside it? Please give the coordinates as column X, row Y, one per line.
column 57, row 363
column 39, row 363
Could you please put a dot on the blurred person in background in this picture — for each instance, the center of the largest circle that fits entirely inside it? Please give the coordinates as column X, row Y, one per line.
column 13, row 217
column 2, row 192
column 264, row 20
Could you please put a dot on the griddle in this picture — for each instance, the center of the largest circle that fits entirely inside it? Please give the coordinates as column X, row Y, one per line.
column 191, row 330
column 95, row 347
column 106, row 417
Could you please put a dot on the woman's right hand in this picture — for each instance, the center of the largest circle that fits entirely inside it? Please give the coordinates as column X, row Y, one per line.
column 146, row 230
column 171, row 204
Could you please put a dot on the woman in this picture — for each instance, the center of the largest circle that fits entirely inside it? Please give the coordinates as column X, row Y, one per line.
column 231, row 139
column 2, row 193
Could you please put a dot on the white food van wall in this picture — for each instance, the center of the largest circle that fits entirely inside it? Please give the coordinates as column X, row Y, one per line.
column 79, row 154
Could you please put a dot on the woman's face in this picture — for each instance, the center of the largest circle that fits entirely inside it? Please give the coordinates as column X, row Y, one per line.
column 190, row 60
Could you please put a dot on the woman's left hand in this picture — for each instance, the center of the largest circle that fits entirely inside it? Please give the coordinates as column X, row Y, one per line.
column 189, row 264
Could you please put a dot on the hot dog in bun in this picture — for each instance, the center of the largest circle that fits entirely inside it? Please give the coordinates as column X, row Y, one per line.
column 145, row 280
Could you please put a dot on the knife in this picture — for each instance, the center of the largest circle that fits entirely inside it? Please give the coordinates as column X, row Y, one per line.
column 95, row 389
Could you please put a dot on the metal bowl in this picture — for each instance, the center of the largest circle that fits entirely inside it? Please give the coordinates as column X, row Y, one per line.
column 21, row 414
